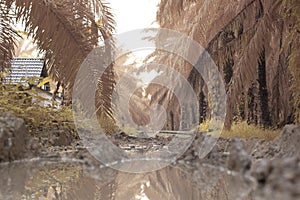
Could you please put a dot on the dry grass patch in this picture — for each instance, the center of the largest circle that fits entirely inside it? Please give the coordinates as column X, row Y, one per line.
column 244, row 130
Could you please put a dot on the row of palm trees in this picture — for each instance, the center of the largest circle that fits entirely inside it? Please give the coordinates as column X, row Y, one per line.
column 255, row 48
column 254, row 43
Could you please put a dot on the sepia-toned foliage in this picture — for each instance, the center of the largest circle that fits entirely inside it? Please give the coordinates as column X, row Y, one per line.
column 29, row 105
column 255, row 48
column 291, row 14
column 7, row 34
column 65, row 31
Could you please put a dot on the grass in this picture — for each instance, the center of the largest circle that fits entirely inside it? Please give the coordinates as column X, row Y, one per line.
column 244, row 130
column 25, row 104
column 42, row 119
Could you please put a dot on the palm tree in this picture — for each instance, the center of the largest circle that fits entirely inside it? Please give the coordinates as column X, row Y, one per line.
column 255, row 49
column 64, row 30
column 7, row 34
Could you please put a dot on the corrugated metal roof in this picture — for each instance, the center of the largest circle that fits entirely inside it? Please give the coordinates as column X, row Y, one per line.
column 24, row 68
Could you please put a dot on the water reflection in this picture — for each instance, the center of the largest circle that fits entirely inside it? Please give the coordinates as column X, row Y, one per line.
column 58, row 180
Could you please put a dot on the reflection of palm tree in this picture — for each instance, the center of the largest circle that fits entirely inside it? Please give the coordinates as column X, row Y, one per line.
column 54, row 192
column 65, row 31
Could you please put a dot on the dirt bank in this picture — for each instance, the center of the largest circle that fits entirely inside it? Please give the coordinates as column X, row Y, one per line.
column 273, row 166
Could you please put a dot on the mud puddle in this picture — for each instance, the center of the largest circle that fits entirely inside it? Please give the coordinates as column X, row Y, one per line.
column 71, row 180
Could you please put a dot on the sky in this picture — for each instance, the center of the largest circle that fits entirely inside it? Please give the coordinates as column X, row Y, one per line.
column 129, row 15
column 134, row 14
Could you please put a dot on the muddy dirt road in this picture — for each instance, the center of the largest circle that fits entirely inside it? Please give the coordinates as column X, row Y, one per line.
column 60, row 167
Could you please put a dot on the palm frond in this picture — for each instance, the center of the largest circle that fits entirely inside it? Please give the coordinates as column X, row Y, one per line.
column 108, row 23
column 242, row 38
column 62, row 29
column 67, row 31
column 107, row 81
column 8, row 35
column 290, row 12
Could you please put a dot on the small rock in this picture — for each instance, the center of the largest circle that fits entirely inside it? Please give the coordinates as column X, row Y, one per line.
column 13, row 137
column 239, row 159
column 278, row 178
column 60, row 138
column 261, row 170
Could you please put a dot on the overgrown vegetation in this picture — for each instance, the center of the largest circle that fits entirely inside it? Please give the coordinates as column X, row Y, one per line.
column 244, row 130
column 42, row 115
column 28, row 105
column 261, row 73
column 65, row 32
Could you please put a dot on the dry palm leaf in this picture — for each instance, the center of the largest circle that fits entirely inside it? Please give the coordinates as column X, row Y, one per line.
column 7, row 35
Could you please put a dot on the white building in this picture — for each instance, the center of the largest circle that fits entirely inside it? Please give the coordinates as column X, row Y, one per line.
column 25, row 68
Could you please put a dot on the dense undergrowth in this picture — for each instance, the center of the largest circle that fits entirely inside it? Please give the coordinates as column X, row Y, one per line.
column 42, row 115
column 28, row 105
